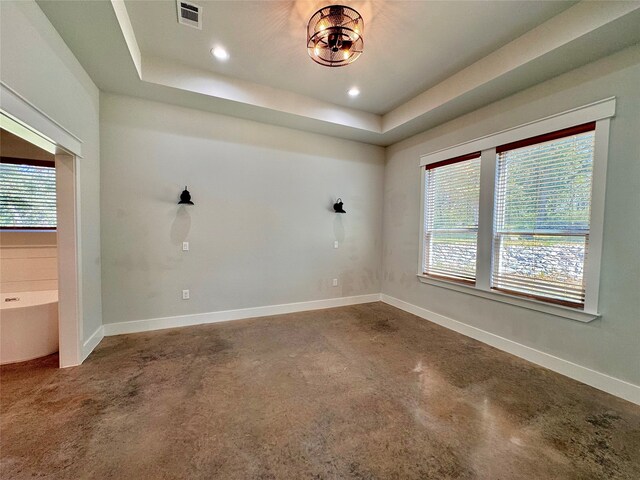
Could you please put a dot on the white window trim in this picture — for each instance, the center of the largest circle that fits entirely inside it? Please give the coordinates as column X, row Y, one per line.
column 601, row 112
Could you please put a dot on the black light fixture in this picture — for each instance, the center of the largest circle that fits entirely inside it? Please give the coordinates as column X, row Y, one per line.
column 185, row 197
column 338, row 206
column 334, row 36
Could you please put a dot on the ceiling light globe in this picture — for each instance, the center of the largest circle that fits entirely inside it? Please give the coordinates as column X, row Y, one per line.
column 353, row 92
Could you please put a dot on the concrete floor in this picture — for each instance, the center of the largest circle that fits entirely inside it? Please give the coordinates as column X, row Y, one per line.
column 363, row 392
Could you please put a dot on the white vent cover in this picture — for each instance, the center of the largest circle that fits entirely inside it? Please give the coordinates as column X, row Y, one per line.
column 189, row 14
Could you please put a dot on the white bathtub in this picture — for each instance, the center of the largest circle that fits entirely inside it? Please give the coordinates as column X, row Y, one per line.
column 28, row 325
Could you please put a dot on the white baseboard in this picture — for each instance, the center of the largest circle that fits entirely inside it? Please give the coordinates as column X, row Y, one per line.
column 92, row 342
column 601, row 381
column 227, row 315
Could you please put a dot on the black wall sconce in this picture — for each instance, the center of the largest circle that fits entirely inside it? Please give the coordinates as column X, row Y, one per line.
column 338, row 206
column 185, row 197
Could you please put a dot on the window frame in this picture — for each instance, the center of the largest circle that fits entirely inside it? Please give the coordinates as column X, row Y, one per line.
column 33, row 163
column 599, row 112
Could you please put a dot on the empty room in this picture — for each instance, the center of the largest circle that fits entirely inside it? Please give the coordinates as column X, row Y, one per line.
column 275, row 239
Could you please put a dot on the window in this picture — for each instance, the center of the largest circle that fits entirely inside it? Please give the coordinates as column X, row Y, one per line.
column 542, row 207
column 27, row 194
column 517, row 216
column 452, row 191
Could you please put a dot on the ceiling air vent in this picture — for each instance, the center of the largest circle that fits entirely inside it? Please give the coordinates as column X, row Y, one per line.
column 189, row 14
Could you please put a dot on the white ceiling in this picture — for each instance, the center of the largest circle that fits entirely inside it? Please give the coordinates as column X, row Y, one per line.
column 409, row 46
column 424, row 62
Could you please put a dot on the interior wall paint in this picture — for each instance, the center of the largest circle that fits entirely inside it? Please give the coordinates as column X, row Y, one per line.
column 262, row 229
column 611, row 344
column 38, row 65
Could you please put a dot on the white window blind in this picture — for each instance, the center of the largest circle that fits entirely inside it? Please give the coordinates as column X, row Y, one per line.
column 27, row 194
column 452, row 190
column 541, row 216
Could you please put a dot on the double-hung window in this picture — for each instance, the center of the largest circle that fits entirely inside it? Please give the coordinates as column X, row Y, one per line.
column 27, row 194
column 517, row 216
column 451, row 218
column 542, row 209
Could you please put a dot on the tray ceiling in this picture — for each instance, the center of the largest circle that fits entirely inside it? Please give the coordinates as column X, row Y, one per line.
column 424, row 62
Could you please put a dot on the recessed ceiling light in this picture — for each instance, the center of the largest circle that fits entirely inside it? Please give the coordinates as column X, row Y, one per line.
column 353, row 92
column 220, row 53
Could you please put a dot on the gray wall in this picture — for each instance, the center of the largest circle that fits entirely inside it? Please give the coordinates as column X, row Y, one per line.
column 39, row 66
column 610, row 345
column 262, row 229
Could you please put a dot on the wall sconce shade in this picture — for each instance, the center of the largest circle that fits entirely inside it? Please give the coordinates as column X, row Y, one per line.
column 338, row 206
column 185, row 197
column 334, row 36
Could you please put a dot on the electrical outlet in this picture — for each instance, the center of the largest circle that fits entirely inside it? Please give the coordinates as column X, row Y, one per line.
column 335, row 282
column 185, row 294
column 335, row 244
column 185, row 246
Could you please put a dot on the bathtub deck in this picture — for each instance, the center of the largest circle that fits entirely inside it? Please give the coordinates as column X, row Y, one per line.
column 362, row 392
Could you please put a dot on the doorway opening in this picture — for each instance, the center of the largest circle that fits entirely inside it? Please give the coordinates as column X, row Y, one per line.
column 38, row 247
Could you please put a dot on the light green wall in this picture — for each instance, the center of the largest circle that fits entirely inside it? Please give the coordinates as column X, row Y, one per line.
column 262, row 229
column 610, row 345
